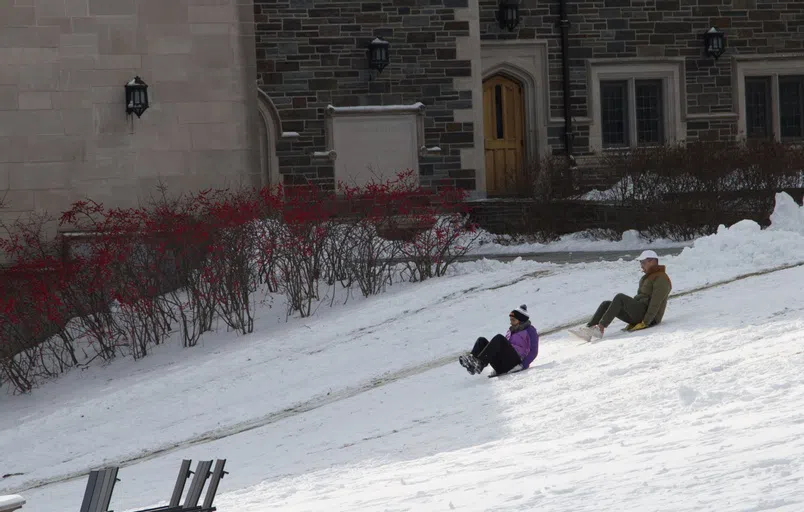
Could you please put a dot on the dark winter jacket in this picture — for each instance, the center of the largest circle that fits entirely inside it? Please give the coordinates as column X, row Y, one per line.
column 654, row 289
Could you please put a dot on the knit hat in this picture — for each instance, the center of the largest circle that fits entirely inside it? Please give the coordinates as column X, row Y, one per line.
column 521, row 313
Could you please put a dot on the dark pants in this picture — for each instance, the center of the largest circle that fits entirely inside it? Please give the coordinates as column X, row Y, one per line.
column 498, row 353
column 623, row 307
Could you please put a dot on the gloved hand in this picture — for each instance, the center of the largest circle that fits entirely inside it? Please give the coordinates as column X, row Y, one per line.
column 638, row 327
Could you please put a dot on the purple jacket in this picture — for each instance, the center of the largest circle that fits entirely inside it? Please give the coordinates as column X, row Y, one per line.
column 526, row 344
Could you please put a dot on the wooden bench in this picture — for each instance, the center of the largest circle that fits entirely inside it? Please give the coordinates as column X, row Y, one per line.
column 202, row 474
column 100, row 485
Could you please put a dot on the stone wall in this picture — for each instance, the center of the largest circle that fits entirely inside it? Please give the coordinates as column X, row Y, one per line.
column 650, row 29
column 64, row 133
column 312, row 54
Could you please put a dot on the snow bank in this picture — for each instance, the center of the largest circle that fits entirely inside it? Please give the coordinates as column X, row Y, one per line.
column 582, row 242
column 9, row 502
column 787, row 215
column 745, row 245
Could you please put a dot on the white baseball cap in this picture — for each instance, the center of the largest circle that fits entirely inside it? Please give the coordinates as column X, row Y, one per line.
column 646, row 255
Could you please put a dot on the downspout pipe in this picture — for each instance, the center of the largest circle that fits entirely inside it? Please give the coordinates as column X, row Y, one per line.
column 565, row 67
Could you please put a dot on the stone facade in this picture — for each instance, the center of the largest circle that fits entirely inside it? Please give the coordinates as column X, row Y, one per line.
column 64, row 133
column 764, row 38
column 312, row 54
column 247, row 92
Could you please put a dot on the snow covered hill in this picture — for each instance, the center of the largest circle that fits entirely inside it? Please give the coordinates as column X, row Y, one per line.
column 702, row 413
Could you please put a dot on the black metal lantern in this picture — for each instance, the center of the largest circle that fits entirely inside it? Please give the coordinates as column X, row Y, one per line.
column 136, row 96
column 378, row 54
column 715, row 42
column 508, row 14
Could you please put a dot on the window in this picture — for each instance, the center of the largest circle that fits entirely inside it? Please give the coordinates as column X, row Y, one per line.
column 791, row 107
column 770, row 96
column 759, row 111
column 758, row 107
column 636, row 102
column 631, row 113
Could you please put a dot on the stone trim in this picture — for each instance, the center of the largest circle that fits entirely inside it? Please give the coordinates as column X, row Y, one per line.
column 416, row 108
column 468, row 48
column 332, row 112
column 772, row 65
column 269, row 130
column 669, row 70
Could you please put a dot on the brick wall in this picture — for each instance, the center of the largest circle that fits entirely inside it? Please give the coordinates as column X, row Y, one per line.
column 312, row 53
column 656, row 28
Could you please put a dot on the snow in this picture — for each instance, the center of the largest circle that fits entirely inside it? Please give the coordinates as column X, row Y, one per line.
column 787, row 215
column 413, row 108
column 625, row 187
column 9, row 502
column 290, row 135
column 362, row 407
column 324, row 154
column 488, row 244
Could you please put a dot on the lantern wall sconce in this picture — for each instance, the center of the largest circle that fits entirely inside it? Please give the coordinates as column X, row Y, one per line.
column 508, row 14
column 715, row 42
column 378, row 55
column 136, row 97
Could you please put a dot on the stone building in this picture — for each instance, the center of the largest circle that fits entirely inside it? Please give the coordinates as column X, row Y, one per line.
column 633, row 72
column 64, row 130
column 258, row 92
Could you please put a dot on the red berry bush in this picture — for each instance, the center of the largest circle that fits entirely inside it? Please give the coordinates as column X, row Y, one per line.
column 118, row 282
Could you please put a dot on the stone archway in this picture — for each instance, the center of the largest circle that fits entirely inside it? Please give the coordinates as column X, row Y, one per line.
column 524, row 61
column 270, row 130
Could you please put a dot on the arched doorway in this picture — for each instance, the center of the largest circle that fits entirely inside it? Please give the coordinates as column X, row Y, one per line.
column 504, row 136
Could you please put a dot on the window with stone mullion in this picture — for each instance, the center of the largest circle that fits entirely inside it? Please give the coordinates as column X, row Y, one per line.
column 631, row 113
column 791, row 107
column 758, row 120
column 649, row 122
column 614, row 114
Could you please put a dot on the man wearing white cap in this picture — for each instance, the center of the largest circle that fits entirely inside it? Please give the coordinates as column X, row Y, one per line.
column 645, row 309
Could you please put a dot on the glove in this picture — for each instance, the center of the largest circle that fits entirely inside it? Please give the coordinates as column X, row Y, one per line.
column 638, row 327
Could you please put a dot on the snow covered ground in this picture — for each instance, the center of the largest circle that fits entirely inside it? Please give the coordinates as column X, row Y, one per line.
column 702, row 413
column 489, row 244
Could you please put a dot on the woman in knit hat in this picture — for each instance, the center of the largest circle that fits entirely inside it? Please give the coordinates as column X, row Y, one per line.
column 512, row 352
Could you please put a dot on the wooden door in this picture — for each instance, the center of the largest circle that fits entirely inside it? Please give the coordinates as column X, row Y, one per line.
column 504, row 127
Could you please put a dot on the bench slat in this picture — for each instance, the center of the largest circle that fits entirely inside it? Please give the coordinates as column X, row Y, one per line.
column 90, row 489
column 181, row 481
column 217, row 474
column 200, row 478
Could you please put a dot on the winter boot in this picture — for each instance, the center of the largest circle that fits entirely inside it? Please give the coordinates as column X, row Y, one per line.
column 477, row 364
column 587, row 333
column 466, row 362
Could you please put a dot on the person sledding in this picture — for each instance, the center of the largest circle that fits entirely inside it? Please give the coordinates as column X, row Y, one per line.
column 512, row 352
column 644, row 310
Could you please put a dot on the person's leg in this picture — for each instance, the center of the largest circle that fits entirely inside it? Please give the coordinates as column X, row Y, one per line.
column 601, row 310
column 470, row 361
column 624, row 308
column 480, row 344
column 499, row 354
column 506, row 359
